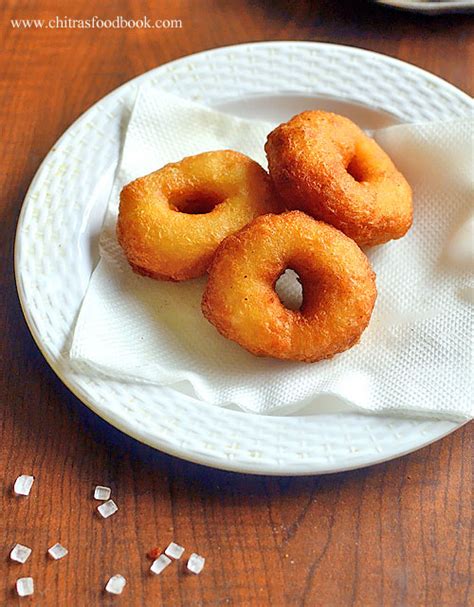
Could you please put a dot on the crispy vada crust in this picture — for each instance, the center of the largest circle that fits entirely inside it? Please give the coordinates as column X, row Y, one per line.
column 323, row 164
column 171, row 222
column 338, row 288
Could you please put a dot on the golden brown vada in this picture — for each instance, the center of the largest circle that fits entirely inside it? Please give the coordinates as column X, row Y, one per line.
column 338, row 288
column 325, row 165
column 171, row 221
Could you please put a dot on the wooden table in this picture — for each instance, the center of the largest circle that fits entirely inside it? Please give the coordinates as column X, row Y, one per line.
column 395, row 534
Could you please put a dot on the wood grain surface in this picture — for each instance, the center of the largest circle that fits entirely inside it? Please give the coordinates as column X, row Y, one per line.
column 396, row 534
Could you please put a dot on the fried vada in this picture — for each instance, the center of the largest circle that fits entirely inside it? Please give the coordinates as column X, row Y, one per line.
column 326, row 166
column 171, row 221
column 338, row 285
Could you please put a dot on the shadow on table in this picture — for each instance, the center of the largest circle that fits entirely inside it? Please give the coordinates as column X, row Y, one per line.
column 347, row 21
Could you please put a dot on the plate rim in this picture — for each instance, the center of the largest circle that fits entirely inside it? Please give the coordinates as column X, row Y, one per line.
column 429, row 7
column 119, row 422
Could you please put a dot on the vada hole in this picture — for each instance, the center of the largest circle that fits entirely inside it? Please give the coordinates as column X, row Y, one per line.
column 355, row 170
column 289, row 289
column 194, row 203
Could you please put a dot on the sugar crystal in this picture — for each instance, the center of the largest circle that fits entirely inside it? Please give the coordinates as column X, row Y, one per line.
column 20, row 553
column 23, row 484
column 57, row 551
column 25, row 586
column 159, row 564
column 107, row 508
column 102, row 493
column 116, row 584
column 175, row 551
column 196, row 563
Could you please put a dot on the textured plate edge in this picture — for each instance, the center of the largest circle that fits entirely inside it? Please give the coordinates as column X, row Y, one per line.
column 195, row 456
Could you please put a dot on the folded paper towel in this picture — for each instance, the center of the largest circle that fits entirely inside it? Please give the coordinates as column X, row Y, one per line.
column 416, row 355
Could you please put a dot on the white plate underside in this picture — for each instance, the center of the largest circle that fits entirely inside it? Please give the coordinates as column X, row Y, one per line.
column 56, row 250
column 431, row 8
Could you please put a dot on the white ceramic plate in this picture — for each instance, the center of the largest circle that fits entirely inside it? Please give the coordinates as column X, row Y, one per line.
column 431, row 8
column 56, row 250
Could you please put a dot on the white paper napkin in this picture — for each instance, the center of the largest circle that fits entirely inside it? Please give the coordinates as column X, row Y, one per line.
column 416, row 355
